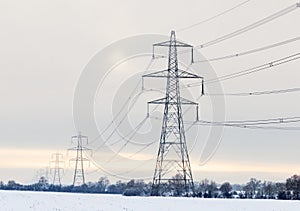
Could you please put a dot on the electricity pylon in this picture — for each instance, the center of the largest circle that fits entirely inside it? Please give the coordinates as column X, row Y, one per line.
column 56, row 166
column 79, row 178
column 173, row 163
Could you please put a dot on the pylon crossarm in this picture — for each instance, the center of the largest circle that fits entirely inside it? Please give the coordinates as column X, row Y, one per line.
column 164, row 74
column 158, row 101
column 183, row 101
column 182, row 44
column 83, row 137
column 158, row 74
column 185, row 74
column 165, row 43
column 177, row 44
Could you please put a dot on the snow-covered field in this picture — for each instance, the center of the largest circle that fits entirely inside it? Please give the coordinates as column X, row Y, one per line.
column 42, row 201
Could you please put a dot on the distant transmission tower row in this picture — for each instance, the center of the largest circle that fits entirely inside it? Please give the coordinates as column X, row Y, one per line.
column 56, row 163
column 173, row 162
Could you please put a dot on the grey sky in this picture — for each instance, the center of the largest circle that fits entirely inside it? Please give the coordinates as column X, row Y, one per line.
column 46, row 44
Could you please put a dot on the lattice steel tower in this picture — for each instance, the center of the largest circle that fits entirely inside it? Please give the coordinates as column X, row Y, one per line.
column 79, row 178
column 55, row 165
column 173, row 163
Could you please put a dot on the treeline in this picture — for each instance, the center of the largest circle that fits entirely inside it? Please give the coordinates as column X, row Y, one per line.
column 254, row 189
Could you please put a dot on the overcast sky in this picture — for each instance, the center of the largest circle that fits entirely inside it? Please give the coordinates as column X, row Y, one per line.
column 45, row 45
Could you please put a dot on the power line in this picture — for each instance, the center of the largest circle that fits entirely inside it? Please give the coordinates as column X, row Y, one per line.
column 119, row 123
column 132, row 134
column 144, row 148
column 249, row 27
column 254, row 124
column 257, row 127
column 271, row 128
column 146, row 145
column 126, row 143
column 284, row 120
column 235, row 55
column 112, row 174
column 245, row 94
column 249, row 71
column 241, row 123
column 250, row 51
column 118, row 114
column 122, row 108
column 257, row 69
column 213, row 17
column 137, row 167
column 133, row 131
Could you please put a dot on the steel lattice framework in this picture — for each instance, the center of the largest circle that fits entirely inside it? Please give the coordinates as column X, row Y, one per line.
column 57, row 168
column 79, row 178
column 173, row 163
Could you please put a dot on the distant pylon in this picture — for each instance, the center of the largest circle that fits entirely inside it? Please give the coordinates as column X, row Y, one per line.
column 173, row 163
column 79, row 178
column 55, row 165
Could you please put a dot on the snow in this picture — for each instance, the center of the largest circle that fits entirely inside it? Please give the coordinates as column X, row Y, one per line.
column 18, row 200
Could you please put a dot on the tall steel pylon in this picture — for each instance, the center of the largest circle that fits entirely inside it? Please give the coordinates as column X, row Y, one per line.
column 79, row 178
column 55, row 165
column 173, row 163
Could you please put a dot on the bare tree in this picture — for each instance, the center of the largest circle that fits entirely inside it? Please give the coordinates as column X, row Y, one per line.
column 252, row 187
column 293, row 185
column 226, row 189
column 102, row 184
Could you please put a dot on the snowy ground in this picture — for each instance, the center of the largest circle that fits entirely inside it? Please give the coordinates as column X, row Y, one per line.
column 42, row 201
